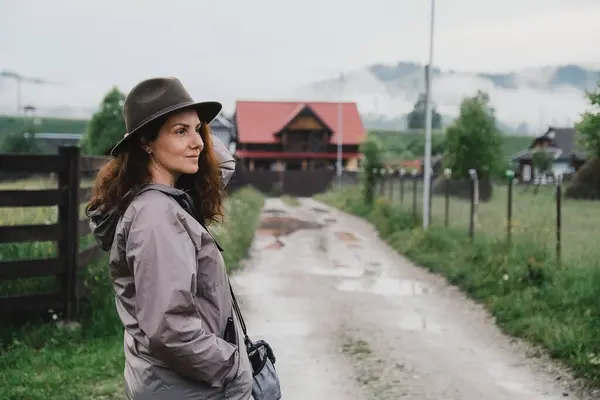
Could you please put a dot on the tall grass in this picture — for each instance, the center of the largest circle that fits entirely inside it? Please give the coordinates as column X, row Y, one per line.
column 530, row 295
column 50, row 360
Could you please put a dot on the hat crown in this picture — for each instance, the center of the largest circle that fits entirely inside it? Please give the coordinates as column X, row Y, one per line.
column 153, row 97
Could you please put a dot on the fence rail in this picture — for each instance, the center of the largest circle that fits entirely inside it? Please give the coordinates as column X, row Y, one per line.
column 69, row 166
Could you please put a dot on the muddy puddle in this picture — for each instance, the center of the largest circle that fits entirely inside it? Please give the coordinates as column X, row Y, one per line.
column 274, row 227
column 346, row 237
column 337, row 271
column 283, row 226
column 384, row 286
column 413, row 321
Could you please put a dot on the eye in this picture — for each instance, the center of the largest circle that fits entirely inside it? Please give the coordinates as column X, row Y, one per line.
column 180, row 131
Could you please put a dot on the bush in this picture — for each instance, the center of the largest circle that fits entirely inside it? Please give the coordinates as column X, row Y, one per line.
column 236, row 233
column 586, row 182
column 521, row 285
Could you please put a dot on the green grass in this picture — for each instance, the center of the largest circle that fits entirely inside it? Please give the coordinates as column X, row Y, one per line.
column 44, row 360
column 530, row 295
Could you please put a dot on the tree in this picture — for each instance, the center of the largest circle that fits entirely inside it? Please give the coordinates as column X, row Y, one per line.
column 416, row 118
column 474, row 142
column 589, row 126
column 107, row 125
column 586, row 182
column 372, row 152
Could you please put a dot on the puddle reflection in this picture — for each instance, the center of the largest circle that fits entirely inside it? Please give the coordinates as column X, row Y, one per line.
column 384, row 286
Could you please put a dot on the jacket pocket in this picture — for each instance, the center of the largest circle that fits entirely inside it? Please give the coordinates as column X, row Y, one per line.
column 230, row 333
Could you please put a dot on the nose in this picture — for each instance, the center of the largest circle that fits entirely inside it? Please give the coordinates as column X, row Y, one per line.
column 197, row 142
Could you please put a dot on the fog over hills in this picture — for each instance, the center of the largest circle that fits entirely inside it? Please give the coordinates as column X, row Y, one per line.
column 525, row 101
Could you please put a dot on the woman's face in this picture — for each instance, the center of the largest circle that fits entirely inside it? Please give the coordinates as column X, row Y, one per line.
column 176, row 149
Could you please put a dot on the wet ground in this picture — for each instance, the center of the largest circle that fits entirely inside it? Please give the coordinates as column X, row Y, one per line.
column 348, row 318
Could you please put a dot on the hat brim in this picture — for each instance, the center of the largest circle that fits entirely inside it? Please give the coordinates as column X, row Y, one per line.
column 207, row 112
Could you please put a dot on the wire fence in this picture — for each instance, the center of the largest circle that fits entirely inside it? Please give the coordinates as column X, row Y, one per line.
column 502, row 210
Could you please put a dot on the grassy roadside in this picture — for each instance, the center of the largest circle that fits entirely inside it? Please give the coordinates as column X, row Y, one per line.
column 529, row 294
column 44, row 361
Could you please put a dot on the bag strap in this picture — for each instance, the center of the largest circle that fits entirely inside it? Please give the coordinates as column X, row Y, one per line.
column 236, row 307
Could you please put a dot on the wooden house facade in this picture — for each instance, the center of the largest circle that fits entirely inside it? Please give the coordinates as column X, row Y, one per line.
column 280, row 136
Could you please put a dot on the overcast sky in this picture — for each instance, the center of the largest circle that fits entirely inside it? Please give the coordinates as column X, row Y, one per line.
column 250, row 47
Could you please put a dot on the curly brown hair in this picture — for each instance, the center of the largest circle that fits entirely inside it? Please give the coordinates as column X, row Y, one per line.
column 119, row 180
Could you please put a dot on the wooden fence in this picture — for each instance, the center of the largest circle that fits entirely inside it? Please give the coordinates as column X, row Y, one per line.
column 68, row 166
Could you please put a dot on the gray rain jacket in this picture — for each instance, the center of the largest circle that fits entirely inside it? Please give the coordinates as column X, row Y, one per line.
column 173, row 298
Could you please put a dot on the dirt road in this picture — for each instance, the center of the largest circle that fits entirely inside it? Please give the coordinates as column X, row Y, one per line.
column 350, row 319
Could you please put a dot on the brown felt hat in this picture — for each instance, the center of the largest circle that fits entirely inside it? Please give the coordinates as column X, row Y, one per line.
column 156, row 97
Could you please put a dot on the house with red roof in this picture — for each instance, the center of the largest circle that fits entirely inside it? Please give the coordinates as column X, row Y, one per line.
column 282, row 135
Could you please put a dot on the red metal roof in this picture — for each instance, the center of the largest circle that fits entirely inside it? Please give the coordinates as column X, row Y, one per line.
column 259, row 121
column 283, row 155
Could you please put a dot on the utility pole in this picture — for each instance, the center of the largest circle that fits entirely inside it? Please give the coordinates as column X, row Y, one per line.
column 340, row 134
column 19, row 80
column 427, row 158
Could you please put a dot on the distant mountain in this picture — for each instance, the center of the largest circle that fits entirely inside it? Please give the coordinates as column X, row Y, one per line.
column 525, row 101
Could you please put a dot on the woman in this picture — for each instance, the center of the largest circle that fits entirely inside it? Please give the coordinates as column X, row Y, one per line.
column 149, row 207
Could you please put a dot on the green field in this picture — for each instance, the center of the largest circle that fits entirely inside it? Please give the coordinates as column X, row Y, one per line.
column 397, row 142
column 11, row 124
column 41, row 360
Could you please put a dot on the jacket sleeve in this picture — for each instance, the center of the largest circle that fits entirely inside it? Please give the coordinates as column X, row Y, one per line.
column 225, row 159
column 163, row 259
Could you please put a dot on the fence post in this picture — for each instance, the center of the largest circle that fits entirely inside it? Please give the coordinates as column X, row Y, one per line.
column 414, row 174
column 510, row 175
column 447, row 174
column 391, row 184
column 558, row 218
column 68, row 217
column 382, row 182
column 472, row 180
column 402, row 172
column 430, row 199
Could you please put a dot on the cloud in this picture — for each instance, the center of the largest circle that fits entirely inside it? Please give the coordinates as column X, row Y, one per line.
column 264, row 48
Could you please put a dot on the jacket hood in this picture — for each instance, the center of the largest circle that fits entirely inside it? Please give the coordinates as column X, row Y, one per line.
column 104, row 221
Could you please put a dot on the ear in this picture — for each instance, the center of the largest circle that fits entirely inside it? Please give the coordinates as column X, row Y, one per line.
column 146, row 147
